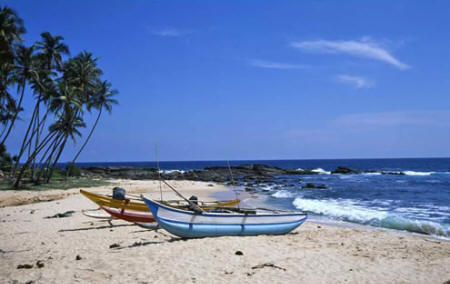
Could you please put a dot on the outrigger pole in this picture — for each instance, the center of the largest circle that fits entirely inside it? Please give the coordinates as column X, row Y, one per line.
column 232, row 183
column 192, row 205
column 159, row 170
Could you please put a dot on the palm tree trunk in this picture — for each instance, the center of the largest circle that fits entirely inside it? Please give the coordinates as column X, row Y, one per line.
column 23, row 147
column 16, row 114
column 49, row 160
column 27, row 163
column 61, row 148
column 41, row 167
column 36, row 131
column 87, row 139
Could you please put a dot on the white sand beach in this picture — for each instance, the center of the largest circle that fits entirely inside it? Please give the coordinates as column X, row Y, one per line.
column 77, row 249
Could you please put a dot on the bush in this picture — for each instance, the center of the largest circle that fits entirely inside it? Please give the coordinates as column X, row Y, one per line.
column 73, row 170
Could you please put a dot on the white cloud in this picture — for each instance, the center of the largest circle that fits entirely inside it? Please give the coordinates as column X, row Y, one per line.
column 356, row 81
column 274, row 65
column 170, row 32
column 365, row 48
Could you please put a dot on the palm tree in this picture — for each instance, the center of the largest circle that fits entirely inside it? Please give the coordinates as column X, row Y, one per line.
column 25, row 71
column 101, row 100
column 67, row 126
column 11, row 29
column 52, row 50
column 49, row 59
column 7, row 101
column 66, row 104
column 82, row 72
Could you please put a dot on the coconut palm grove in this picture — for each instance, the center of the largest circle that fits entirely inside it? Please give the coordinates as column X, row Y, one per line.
column 64, row 88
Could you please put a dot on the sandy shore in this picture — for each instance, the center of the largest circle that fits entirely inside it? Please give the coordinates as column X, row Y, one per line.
column 313, row 253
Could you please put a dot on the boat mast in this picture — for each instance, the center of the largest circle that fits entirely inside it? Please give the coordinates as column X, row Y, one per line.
column 232, row 182
column 159, row 170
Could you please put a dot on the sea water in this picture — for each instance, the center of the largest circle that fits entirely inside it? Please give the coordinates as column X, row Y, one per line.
column 418, row 200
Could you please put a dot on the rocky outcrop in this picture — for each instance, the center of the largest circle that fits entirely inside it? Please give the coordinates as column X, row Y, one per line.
column 314, row 186
column 345, row 171
column 252, row 172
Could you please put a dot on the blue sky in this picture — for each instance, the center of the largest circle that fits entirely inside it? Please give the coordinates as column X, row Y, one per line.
column 209, row 80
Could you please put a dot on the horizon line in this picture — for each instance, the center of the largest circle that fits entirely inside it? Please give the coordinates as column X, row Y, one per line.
column 235, row 160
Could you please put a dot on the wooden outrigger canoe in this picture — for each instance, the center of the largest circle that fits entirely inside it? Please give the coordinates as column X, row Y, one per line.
column 103, row 200
column 130, row 215
column 188, row 224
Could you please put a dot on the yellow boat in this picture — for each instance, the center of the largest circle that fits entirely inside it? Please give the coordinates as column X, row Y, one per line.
column 103, row 200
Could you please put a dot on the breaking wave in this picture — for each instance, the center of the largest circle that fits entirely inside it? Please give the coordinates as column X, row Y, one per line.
column 413, row 173
column 349, row 210
column 283, row 194
column 321, row 171
column 171, row 171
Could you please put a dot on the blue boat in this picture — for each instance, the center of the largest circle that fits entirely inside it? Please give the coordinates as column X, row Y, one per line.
column 188, row 224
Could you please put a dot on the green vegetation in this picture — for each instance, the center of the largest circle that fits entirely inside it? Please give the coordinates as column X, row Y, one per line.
column 60, row 183
column 63, row 89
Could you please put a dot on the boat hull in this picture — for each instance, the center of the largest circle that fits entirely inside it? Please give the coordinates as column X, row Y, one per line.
column 187, row 224
column 103, row 200
column 130, row 215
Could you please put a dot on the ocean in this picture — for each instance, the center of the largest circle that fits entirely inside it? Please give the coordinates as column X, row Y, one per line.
column 417, row 201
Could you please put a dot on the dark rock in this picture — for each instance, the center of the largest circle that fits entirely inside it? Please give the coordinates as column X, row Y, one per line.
column 345, row 171
column 217, row 174
column 268, row 264
column 301, row 172
column 311, row 186
column 24, row 266
column 116, row 245
column 78, row 257
column 40, row 264
column 394, row 173
column 61, row 215
column 239, row 253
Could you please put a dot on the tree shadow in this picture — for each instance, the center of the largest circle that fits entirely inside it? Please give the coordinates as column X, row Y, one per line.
column 94, row 228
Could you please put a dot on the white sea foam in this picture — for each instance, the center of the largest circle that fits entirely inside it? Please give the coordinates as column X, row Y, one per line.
column 171, row 171
column 352, row 211
column 283, row 194
column 321, row 171
column 413, row 173
column 372, row 174
column 268, row 187
column 341, row 208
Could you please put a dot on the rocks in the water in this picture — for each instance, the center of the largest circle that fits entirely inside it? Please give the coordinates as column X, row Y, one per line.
column 301, row 172
column 239, row 253
column 78, row 257
column 25, row 266
column 115, row 245
column 345, row 171
column 61, row 215
column 216, row 173
column 314, row 186
column 395, row 174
